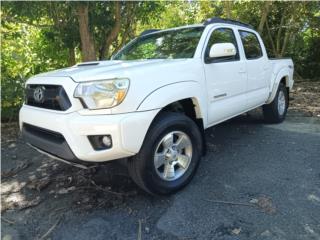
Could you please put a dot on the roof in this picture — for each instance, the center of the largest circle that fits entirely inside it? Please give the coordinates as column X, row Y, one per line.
column 149, row 31
column 205, row 23
column 228, row 21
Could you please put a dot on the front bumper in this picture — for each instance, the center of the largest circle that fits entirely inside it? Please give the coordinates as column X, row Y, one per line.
column 127, row 131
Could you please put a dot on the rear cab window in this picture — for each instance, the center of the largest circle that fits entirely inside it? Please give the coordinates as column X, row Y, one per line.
column 251, row 45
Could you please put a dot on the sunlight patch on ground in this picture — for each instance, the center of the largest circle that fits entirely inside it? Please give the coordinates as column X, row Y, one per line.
column 311, row 127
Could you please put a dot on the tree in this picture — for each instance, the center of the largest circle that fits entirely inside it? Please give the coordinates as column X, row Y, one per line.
column 264, row 16
column 113, row 33
column 287, row 20
column 42, row 36
column 87, row 43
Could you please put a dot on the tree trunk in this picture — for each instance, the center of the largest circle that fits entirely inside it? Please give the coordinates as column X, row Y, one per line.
column 72, row 57
column 102, row 49
column 128, row 25
column 287, row 36
column 264, row 16
column 104, row 52
column 285, row 42
column 123, row 40
column 278, row 39
column 271, row 40
column 228, row 9
column 87, row 43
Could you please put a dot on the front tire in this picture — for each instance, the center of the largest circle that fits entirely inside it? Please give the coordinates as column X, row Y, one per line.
column 169, row 156
column 275, row 112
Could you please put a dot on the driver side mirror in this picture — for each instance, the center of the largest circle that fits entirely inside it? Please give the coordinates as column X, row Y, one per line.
column 222, row 50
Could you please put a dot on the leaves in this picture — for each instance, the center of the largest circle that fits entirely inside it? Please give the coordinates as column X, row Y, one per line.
column 39, row 37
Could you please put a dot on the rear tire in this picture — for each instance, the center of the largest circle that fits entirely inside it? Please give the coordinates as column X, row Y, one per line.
column 275, row 112
column 169, row 156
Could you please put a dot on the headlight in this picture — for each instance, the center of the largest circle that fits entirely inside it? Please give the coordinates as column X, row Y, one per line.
column 103, row 93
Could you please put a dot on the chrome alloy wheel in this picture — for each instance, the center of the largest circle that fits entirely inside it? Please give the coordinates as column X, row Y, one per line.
column 173, row 155
column 281, row 103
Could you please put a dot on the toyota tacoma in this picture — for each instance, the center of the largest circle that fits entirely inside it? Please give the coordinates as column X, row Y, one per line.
column 151, row 103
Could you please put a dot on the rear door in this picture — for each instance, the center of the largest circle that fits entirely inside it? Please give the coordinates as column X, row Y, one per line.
column 226, row 78
column 257, row 66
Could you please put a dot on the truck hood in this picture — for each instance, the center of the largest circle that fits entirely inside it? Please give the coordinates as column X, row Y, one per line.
column 89, row 71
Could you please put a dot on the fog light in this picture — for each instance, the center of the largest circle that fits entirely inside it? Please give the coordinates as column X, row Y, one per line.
column 106, row 140
column 100, row 142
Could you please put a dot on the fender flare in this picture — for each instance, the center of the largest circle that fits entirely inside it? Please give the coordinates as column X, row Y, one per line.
column 173, row 92
column 283, row 73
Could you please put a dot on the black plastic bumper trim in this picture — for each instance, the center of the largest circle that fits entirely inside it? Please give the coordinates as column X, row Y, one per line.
column 48, row 141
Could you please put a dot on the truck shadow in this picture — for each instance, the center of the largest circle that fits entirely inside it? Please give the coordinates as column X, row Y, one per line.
column 104, row 186
column 115, row 175
column 52, row 189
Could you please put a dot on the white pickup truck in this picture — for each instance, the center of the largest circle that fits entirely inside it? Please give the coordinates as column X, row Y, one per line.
column 153, row 100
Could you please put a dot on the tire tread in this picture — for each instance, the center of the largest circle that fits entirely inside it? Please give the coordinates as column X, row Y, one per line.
column 270, row 111
column 136, row 163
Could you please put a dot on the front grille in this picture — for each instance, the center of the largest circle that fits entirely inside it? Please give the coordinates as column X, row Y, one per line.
column 47, row 96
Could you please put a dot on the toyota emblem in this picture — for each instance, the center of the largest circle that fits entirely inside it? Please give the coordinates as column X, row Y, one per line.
column 38, row 94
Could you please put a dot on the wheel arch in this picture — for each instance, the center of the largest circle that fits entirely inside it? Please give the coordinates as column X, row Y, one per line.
column 190, row 108
column 179, row 97
column 186, row 94
column 282, row 77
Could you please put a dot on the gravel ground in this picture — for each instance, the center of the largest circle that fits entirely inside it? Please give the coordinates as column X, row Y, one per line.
column 306, row 98
column 257, row 181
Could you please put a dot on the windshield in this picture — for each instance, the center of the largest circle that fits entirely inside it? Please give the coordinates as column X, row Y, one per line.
column 172, row 44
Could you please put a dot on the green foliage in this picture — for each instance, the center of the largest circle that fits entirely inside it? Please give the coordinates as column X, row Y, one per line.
column 41, row 36
column 26, row 50
column 293, row 26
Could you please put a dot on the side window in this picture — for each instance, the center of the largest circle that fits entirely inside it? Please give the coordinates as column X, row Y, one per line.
column 221, row 35
column 251, row 45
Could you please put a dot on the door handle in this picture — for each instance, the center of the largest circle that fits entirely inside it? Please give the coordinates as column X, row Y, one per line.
column 220, row 95
column 242, row 70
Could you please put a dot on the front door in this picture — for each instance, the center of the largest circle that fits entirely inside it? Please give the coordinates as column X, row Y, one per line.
column 226, row 79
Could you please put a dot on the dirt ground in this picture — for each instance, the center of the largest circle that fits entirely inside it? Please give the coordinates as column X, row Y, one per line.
column 306, row 98
column 257, row 181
